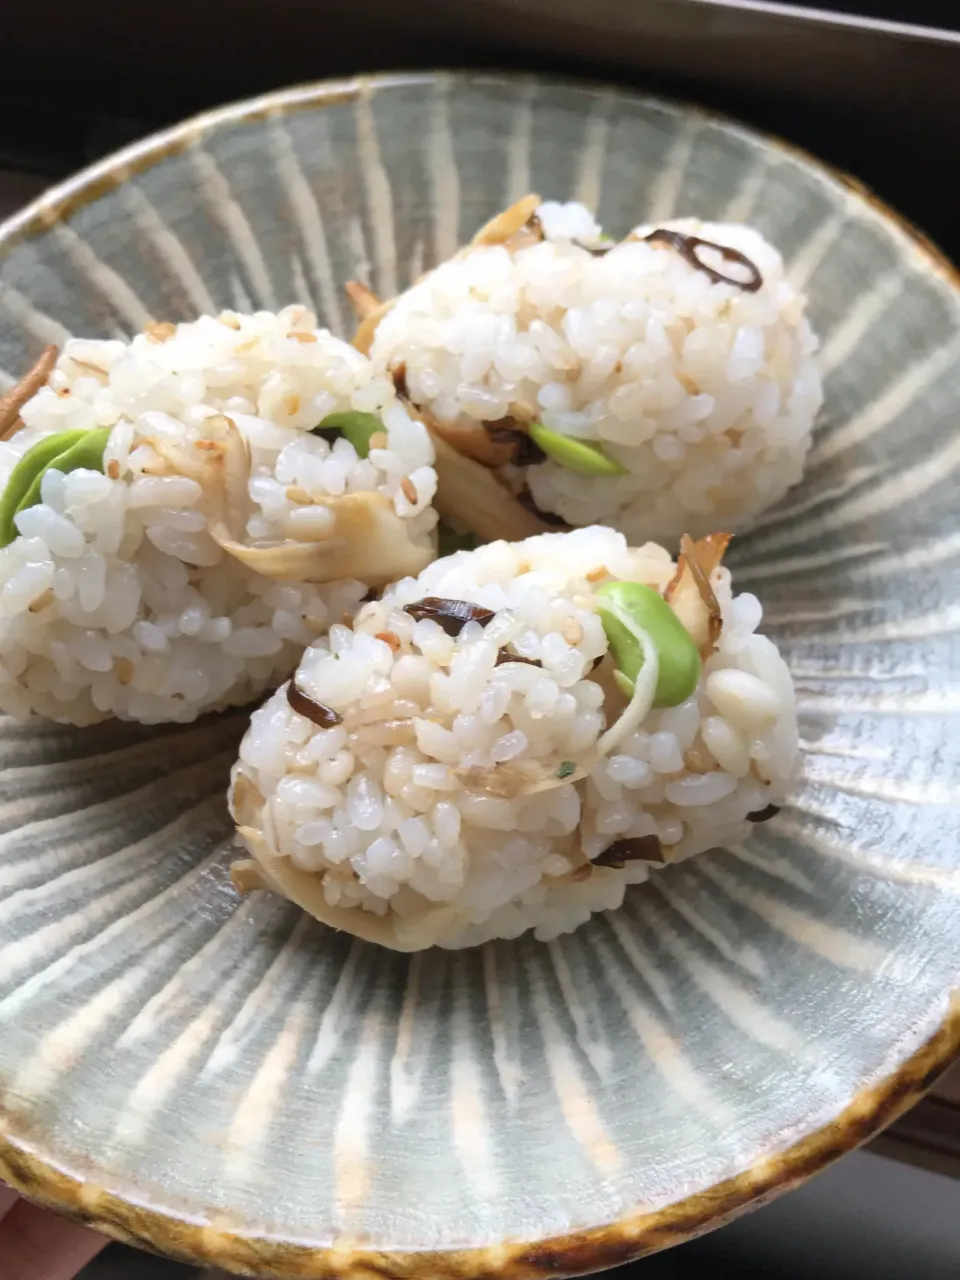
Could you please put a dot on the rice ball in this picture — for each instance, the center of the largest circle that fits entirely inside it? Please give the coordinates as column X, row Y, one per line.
column 183, row 514
column 660, row 385
column 482, row 752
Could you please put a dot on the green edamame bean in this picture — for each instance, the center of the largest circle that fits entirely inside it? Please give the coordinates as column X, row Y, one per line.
column 449, row 541
column 65, row 451
column 582, row 456
column 84, row 454
column 647, row 609
column 354, row 426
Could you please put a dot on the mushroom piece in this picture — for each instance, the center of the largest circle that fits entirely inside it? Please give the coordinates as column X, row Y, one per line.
column 247, row 876
column 472, row 440
column 505, row 225
column 689, row 593
column 219, row 463
column 473, row 497
column 370, row 311
column 367, row 541
column 278, row 874
column 13, row 400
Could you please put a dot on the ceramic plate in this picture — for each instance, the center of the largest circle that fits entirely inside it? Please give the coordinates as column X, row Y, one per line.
column 228, row 1081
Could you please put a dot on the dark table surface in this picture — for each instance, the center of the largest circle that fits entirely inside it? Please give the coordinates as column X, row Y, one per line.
column 865, row 1219
column 930, row 13
column 874, row 104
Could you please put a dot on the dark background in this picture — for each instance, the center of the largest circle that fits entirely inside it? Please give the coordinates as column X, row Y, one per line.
column 932, row 13
column 79, row 78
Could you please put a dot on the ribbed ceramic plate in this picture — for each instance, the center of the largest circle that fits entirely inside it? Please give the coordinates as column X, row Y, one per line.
column 228, row 1081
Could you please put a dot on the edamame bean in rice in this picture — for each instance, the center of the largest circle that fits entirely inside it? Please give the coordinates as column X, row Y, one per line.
column 509, row 739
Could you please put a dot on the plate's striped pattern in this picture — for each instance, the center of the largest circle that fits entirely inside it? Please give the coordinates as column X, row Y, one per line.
column 240, row 1068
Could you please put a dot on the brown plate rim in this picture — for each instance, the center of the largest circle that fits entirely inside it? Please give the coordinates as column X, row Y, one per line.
column 593, row 1249
column 635, row 1234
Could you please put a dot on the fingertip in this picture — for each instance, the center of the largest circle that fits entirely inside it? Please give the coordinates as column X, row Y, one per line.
column 35, row 1244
